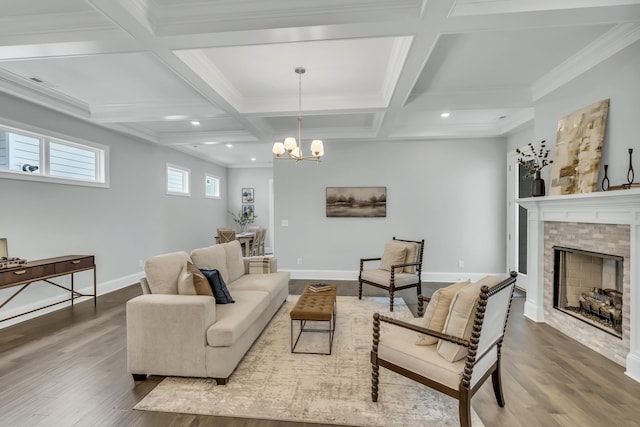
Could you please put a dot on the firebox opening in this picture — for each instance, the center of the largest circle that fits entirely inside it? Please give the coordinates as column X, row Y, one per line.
column 588, row 286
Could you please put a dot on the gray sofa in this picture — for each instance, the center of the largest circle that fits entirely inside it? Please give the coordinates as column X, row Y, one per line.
column 173, row 332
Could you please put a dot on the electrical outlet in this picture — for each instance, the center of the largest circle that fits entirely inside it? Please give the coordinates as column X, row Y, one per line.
column 299, row 261
column 284, row 223
column 461, row 264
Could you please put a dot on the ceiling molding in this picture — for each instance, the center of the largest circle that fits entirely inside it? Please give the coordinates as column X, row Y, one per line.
column 115, row 113
column 610, row 43
column 397, row 58
column 67, row 22
column 483, row 7
column 190, row 138
column 42, row 95
column 516, row 120
column 463, row 131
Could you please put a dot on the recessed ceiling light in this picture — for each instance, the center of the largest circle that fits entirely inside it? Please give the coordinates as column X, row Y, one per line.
column 502, row 117
column 175, row 117
column 229, row 145
column 445, row 115
column 211, row 143
column 195, row 123
column 253, row 159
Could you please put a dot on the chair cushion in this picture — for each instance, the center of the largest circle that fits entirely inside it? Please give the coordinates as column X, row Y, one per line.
column 218, row 287
column 459, row 322
column 383, row 277
column 437, row 311
column 397, row 346
column 212, row 258
column 235, row 264
column 393, row 254
column 163, row 271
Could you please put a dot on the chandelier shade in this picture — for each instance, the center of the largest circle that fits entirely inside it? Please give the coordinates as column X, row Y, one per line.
column 291, row 149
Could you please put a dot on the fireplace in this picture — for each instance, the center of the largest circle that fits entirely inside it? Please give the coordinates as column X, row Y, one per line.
column 588, row 286
column 605, row 222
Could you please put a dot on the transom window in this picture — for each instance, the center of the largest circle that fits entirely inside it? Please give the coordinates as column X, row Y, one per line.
column 177, row 180
column 212, row 186
column 35, row 156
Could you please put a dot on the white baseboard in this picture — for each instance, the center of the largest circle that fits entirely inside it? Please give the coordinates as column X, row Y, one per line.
column 102, row 289
column 353, row 275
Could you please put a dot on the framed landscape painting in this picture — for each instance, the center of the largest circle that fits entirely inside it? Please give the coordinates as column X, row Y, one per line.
column 356, row 202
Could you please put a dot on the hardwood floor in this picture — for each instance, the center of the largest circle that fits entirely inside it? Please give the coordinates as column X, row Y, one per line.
column 68, row 368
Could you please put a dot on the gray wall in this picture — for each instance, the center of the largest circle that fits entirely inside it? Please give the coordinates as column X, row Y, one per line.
column 521, row 137
column 258, row 179
column 450, row 193
column 618, row 79
column 121, row 225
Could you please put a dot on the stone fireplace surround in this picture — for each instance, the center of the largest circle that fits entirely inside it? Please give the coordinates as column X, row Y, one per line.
column 620, row 207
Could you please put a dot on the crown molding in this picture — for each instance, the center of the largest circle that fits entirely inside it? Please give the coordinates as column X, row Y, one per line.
column 143, row 112
column 397, row 58
column 190, row 138
column 68, row 22
column 517, row 120
column 493, row 7
column 610, row 43
column 22, row 88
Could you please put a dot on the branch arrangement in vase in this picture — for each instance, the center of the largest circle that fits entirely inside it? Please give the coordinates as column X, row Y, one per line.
column 242, row 219
column 534, row 160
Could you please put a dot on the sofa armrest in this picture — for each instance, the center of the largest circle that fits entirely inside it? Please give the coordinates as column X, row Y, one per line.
column 261, row 264
column 167, row 334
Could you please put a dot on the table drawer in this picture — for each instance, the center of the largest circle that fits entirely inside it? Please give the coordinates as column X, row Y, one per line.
column 73, row 265
column 17, row 275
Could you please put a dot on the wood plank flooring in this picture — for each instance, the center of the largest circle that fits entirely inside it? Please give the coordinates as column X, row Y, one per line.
column 68, row 368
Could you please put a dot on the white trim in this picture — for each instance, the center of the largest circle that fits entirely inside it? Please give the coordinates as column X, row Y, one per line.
column 444, row 277
column 102, row 289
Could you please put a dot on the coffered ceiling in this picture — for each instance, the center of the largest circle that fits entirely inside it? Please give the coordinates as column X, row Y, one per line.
column 377, row 70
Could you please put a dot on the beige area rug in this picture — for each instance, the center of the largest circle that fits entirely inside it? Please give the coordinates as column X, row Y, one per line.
column 272, row 383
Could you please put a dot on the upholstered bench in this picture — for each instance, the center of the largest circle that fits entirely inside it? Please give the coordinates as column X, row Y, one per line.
column 313, row 306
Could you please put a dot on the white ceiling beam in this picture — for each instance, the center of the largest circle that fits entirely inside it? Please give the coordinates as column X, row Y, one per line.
column 152, row 112
column 470, row 99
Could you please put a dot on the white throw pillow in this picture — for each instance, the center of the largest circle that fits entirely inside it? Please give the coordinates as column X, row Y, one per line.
column 437, row 311
column 461, row 316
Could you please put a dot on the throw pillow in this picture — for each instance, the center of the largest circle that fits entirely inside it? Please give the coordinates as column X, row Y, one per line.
column 218, row 287
column 200, row 283
column 437, row 311
column 393, row 255
column 461, row 317
column 259, row 265
column 185, row 283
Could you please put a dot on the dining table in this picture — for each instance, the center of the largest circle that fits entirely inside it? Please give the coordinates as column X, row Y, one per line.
column 246, row 239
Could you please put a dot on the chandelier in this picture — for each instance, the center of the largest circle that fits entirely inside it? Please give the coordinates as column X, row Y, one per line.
column 292, row 149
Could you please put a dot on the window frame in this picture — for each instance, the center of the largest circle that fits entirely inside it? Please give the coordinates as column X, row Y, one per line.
column 186, row 183
column 217, row 186
column 45, row 138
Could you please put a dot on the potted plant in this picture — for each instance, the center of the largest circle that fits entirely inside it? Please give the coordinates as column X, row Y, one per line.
column 243, row 219
column 534, row 160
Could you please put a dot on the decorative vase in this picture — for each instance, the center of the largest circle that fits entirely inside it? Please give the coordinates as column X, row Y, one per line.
column 537, row 188
column 605, row 180
column 243, row 228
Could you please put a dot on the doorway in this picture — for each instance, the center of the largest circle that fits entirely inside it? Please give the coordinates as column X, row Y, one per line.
column 518, row 186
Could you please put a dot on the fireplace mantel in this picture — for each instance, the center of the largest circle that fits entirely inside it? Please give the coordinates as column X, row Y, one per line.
column 609, row 207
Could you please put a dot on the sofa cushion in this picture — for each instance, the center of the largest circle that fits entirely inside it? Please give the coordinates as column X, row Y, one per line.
column 235, row 264
column 459, row 322
column 163, row 271
column 234, row 320
column 212, row 258
column 437, row 311
column 393, row 254
column 218, row 287
column 271, row 283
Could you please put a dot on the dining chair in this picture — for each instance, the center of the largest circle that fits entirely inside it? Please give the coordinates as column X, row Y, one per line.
column 226, row 235
column 258, row 240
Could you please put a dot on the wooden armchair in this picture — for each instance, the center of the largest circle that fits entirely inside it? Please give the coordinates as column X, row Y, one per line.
column 400, row 268
column 468, row 348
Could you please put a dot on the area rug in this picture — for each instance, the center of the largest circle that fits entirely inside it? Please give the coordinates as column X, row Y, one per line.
column 272, row 383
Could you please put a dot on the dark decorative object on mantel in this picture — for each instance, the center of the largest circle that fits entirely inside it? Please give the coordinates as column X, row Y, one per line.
column 630, row 174
column 605, row 180
column 534, row 161
column 538, row 186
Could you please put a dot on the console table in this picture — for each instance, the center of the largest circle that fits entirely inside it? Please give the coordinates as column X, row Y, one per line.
column 42, row 271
